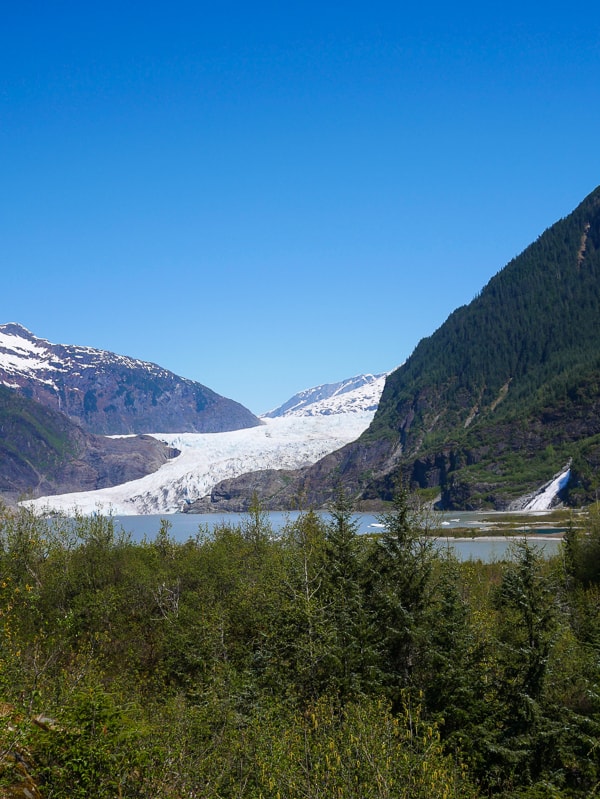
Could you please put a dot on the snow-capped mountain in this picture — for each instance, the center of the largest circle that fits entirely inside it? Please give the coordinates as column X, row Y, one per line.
column 112, row 394
column 355, row 395
column 286, row 442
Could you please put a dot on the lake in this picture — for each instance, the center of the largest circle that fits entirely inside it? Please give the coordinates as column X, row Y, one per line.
column 486, row 548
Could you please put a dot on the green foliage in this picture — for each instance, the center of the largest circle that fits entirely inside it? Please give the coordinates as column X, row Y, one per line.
column 315, row 663
column 583, row 549
column 93, row 751
column 361, row 750
column 32, row 437
column 525, row 600
column 305, row 625
column 400, row 570
column 350, row 652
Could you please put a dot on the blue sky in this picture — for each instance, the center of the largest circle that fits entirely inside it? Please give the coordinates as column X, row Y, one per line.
column 264, row 197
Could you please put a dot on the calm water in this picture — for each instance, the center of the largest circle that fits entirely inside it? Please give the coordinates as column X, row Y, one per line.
column 185, row 526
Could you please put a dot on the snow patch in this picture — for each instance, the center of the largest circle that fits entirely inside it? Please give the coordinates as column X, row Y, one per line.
column 19, row 354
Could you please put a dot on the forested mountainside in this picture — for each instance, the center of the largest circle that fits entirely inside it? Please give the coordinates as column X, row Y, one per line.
column 112, row 394
column 42, row 452
column 506, row 392
column 502, row 396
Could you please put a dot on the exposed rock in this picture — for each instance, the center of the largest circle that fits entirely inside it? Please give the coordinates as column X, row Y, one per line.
column 235, row 495
column 311, row 486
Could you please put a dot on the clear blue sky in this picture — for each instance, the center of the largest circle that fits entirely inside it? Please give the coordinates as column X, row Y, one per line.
column 268, row 196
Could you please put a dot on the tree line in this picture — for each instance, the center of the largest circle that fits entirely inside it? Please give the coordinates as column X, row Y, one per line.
column 315, row 662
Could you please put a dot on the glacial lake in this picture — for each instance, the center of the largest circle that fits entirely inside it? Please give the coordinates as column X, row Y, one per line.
column 479, row 538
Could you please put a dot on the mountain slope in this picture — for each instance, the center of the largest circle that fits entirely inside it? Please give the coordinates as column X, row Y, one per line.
column 499, row 399
column 112, row 394
column 535, row 325
column 42, row 452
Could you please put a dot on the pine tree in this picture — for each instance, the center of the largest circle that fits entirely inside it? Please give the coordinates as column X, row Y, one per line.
column 400, row 574
column 351, row 656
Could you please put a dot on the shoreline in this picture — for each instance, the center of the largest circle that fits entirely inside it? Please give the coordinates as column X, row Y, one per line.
column 503, row 538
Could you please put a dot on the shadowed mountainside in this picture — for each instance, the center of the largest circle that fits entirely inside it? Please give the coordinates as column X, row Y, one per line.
column 42, row 452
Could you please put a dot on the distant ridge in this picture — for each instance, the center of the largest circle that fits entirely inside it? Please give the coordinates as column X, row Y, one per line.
column 111, row 394
column 354, row 395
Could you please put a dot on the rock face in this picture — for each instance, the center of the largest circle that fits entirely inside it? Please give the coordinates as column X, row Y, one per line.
column 310, row 487
column 42, row 452
column 235, row 495
column 112, row 394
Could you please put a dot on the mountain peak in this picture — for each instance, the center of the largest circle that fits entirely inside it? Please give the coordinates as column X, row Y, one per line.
column 354, row 395
column 111, row 394
column 16, row 329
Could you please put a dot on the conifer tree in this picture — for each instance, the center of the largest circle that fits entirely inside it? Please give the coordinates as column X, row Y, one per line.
column 400, row 572
column 526, row 601
column 351, row 654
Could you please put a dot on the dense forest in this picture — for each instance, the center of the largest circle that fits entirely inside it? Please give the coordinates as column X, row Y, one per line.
column 533, row 324
column 312, row 663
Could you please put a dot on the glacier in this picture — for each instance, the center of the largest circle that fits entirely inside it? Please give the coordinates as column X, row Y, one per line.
column 297, row 438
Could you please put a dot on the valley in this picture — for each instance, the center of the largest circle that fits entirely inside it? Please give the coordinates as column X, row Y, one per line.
column 289, row 439
column 501, row 400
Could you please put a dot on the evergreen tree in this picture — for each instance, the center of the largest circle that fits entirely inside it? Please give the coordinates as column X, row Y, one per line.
column 527, row 620
column 399, row 584
column 351, row 656
column 304, row 627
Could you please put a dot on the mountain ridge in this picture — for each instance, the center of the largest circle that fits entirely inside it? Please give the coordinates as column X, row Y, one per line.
column 42, row 452
column 355, row 394
column 111, row 394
